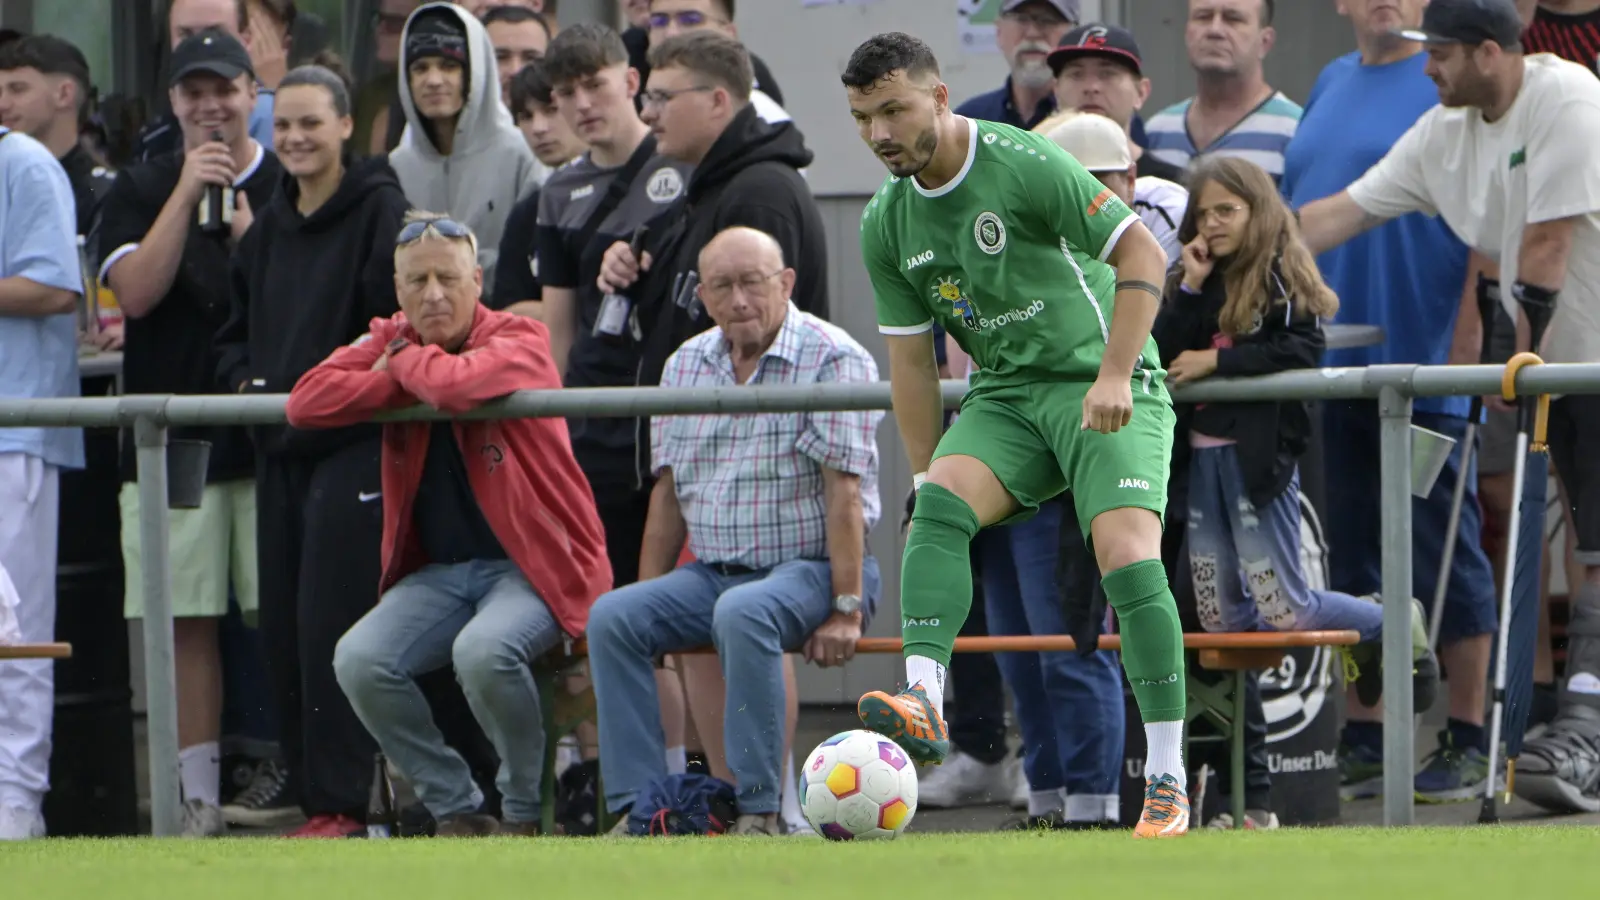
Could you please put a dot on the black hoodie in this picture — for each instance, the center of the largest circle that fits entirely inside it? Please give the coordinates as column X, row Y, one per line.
column 303, row 286
column 750, row 177
column 1270, row 436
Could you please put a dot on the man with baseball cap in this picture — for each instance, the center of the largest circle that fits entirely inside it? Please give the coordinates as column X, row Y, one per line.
column 167, row 259
column 1025, row 32
column 1507, row 161
column 1383, row 86
column 1098, row 69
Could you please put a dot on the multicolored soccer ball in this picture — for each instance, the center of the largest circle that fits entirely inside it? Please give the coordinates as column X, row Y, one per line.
column 859, row 785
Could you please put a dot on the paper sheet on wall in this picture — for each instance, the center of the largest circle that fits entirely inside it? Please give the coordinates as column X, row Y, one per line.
column 976, row 21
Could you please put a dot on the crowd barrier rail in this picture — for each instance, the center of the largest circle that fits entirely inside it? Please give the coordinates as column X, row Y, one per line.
column 1392, row 386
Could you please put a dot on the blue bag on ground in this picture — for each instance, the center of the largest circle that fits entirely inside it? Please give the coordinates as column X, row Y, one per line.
column 690, row 803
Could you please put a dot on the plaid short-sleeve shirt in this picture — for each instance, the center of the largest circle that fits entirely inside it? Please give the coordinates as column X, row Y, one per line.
column 750, row 485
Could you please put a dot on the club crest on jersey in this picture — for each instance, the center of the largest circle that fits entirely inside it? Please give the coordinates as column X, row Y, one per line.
column 989, row 232
column 664, row 186
column 949, row 290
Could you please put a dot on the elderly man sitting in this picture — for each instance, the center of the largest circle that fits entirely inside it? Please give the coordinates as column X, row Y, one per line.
column 775, row 508
column 492, row 546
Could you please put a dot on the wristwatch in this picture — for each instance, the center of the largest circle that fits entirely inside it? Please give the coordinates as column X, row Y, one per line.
column 849, row 604
column 396, row 345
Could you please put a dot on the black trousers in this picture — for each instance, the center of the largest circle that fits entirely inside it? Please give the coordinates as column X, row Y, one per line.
column 319, row 533
column 622, row 515
column 977, row 717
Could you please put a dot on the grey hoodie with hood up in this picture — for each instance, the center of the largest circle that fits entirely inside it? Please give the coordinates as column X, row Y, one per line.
column 490, row 166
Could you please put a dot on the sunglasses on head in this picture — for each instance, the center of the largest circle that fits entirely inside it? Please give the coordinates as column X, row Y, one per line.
column 446, row 227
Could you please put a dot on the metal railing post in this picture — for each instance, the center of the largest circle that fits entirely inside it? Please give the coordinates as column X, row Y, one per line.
column 1399, row 729
column 160, row 674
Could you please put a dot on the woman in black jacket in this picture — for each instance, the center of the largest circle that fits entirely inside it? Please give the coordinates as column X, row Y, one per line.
column 1247, row 299
column 314, row 269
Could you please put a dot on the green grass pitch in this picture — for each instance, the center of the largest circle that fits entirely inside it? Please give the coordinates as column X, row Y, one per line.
column 1503, row 862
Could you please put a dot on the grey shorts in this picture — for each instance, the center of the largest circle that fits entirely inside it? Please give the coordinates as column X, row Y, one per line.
column 1497, row 442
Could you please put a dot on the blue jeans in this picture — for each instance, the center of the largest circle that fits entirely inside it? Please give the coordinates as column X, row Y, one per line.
column 1246, row 563
column 1353, row 519
column 1069, row 707
column 484, row 618
column 752, row 619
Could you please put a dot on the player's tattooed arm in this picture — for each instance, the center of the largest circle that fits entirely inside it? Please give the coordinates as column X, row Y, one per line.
column 1134, row 284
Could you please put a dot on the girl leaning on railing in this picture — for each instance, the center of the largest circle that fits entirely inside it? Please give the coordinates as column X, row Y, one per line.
column 1246, row 299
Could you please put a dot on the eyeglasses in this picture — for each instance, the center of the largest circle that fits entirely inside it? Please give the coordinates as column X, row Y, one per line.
column 686, row 19
column 1043, row 21
column 750, row 284
column 1223, row 211
column 660, row 97
column 441, row 225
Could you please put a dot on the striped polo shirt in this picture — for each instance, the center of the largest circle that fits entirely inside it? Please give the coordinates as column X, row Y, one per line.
column 1260, row 137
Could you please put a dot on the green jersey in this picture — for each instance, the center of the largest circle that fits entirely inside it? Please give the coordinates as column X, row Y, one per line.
column 1009, row 258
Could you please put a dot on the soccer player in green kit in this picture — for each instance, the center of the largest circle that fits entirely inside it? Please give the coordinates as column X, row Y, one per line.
column 1051, row 284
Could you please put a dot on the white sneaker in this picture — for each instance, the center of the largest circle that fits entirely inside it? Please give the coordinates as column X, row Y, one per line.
column 201, row 820
column 1019, row 794
column 963, row 781
column 20, row 823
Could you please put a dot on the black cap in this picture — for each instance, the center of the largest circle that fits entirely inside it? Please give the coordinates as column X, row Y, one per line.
column 212, row 50
column 1069, row 9
column 1097, row 40
column 1467, row 22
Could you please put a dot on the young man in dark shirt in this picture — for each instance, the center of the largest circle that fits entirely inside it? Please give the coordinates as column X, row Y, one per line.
column 167, row 258
column 553, row 141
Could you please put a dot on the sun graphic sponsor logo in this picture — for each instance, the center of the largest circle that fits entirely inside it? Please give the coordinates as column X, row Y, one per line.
column 949, row 290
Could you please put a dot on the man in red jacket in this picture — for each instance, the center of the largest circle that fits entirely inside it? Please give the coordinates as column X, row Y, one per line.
column 492, row 548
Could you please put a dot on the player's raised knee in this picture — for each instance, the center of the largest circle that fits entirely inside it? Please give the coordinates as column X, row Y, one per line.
column 1125, row 536
column 975, row 483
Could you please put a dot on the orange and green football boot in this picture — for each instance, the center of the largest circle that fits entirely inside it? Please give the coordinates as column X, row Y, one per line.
column 909, row 719
column 1166, row 809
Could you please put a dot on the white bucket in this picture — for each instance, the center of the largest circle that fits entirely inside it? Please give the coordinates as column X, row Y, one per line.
column 1430, row 450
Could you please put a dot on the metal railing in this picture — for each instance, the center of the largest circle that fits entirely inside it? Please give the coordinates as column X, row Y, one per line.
column 1392, row 386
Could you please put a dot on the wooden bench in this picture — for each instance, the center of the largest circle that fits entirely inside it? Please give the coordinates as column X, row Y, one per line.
column 1223, row 703
column 35, row 651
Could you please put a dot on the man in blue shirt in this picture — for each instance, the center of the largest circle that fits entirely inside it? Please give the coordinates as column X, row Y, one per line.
column 1380, row 280
column 41, row 283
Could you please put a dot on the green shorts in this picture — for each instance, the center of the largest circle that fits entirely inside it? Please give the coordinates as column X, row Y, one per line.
column 208, row 548
column 1032, row 438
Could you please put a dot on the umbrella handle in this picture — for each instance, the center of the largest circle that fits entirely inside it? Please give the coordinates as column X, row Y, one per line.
column 1535, row 418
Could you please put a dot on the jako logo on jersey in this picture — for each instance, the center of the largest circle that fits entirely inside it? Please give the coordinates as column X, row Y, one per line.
column 989, row 232
column 920, row 623
column 1146, row 682
column 1139, row 483
column 925, row 256
column 1101, row 201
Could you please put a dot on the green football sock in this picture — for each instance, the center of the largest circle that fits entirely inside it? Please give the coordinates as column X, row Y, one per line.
column 936, row 573
column 1152, row 638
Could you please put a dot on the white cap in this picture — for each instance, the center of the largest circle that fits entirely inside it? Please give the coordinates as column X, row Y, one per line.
column 1099, row 144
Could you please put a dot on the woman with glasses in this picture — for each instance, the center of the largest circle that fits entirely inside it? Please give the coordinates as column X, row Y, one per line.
column 314, row 269
column 1247, row 300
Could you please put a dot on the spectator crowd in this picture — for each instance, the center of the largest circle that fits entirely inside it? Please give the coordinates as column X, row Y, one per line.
column 529, row 203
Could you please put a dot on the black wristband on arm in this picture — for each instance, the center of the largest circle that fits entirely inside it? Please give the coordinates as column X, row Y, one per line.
column 1136, row 285
column 1532, row 295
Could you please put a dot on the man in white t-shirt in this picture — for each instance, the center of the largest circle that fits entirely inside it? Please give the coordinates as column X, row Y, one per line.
column 1508, row 160
column 1103, row 147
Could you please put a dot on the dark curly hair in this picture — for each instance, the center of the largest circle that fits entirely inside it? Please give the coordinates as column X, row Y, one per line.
column 882, row 54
